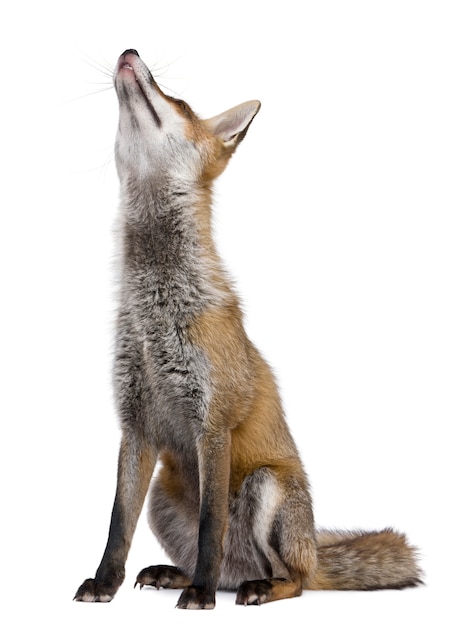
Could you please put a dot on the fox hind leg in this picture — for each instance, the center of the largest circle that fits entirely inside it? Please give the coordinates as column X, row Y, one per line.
column 267, row 590
column 269, row 547
column 282, row 532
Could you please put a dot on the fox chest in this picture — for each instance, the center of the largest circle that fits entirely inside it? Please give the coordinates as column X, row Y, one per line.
column 174, row 373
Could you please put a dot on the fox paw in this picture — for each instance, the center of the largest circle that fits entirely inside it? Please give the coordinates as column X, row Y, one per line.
column 165, row 576
column 254, row 592
column 196, row 598
column 92, row 591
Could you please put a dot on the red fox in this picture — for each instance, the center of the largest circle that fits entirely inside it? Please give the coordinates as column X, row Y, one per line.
column 231, row 503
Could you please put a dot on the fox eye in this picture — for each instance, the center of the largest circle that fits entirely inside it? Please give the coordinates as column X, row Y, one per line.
column 182, row 104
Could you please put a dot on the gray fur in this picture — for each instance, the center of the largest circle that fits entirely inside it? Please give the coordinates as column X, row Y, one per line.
column 162, row 291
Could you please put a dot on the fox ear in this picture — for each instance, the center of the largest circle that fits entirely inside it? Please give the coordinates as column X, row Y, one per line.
column 232, row 125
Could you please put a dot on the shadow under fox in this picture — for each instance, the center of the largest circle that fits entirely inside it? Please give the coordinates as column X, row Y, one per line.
column 231, row 504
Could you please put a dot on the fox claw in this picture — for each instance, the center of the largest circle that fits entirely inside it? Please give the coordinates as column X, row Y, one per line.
column 165, row 576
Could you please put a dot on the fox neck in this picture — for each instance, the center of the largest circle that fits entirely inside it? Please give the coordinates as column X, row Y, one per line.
column 167, row 238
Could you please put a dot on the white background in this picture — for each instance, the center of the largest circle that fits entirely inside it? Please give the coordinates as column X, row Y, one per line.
column 340, row 219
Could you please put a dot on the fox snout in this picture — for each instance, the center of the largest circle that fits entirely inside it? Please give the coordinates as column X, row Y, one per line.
column 135, row 85
column 154, row 129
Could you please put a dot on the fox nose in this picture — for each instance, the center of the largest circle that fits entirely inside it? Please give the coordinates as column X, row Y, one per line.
column 130, row 51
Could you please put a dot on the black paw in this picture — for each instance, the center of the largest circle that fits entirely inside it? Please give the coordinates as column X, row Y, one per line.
column 196, row 598
column 165, row 576
column 92, row 591
column 254, row 592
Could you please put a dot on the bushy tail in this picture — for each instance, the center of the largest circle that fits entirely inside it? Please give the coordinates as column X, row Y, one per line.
column 365, row 561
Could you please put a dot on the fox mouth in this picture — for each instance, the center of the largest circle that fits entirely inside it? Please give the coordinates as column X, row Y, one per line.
column 124, row 59
column 144, row 81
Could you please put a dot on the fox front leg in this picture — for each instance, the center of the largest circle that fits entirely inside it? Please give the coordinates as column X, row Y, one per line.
column 214, row 468
column 135, row 468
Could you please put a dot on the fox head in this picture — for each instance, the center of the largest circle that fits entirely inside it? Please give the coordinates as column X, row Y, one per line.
column 160, row 136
